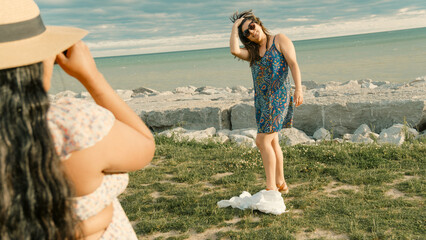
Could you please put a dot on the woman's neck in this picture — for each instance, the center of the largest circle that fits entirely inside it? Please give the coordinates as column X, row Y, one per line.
column 264, row 41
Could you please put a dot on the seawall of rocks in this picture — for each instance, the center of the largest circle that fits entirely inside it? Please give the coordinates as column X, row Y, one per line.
column 340, row 108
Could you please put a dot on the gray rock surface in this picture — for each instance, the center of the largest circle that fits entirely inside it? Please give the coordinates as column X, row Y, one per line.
column 293, row 136
column 397, row 134
column 322, row 134
column 337, row 107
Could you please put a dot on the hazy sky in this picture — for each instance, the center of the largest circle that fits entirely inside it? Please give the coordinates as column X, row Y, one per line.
column 123, row 27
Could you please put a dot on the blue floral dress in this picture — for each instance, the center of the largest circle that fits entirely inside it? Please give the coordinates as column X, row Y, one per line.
column 272, row 92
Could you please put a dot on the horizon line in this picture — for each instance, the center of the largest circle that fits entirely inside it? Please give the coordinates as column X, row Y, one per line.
column 297, row 40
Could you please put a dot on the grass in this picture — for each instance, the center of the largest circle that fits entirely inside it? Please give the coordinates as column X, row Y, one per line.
column 340, row 191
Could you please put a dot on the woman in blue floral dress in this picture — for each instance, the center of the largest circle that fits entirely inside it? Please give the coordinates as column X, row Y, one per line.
column 270, row 58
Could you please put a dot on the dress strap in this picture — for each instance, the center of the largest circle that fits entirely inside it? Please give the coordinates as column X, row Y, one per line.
column 273, row 42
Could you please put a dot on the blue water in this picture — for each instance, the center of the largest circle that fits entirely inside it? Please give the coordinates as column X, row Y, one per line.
column 395, row 56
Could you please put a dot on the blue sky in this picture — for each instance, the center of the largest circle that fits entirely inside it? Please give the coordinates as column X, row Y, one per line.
column 124, row 27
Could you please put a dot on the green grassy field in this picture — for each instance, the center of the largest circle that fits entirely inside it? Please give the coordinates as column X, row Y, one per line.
column 337, row 191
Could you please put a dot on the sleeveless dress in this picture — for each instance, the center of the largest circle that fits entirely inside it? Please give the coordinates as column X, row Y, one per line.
column 75, row 125
column 272, row 92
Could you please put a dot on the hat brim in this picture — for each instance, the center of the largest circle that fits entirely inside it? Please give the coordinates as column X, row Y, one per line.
column 36, row 49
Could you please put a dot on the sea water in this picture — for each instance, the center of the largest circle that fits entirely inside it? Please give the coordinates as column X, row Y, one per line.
column 395, row 56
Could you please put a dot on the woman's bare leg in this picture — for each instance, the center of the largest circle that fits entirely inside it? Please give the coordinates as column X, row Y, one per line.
column 264, row 143
column 279, row 174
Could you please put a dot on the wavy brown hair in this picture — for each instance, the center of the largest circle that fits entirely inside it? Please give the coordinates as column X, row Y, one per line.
column 35, row 196
column 252, row 47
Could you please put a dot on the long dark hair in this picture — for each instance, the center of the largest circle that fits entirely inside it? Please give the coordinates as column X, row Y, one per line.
column 252, row 47
column 35, row 196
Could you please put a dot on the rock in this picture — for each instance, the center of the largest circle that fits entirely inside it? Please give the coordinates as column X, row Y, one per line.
column 228, row 90
column 310, row 85
column 243, row 116
column 239, row 89
column 293, row 136
column 220, row 139
column 208, row 90
column 181, row 134
column 223, row 132
column 187, row 90
column 198, row 136
column 364, row 81
column 172, row 132
column 420, row 81
column 308, row 117
column 322, row 134
column 346, row 117
column 124, row 94
column 194, row 119
column 362, row 130
column 397, row 134
column 368, row 85
column 380, row 83
column 84, row 95
column 362, row 135
column 166, row 93
column 145, row 90
column 347, row 137
column 241, row 140
column 67, row 93
column 248, row 132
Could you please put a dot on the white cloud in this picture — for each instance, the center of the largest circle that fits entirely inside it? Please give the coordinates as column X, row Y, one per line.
column 335, row 27
column 140, row 46
column 298, row 19
column 369, row 24
column 408, row 11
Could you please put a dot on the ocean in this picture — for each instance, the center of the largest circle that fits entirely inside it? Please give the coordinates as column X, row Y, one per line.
column 395, row 56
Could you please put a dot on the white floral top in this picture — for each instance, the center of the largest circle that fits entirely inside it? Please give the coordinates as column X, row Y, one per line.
column 78, row 124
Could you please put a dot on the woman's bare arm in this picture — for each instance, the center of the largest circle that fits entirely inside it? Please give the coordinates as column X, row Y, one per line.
column 234, row 45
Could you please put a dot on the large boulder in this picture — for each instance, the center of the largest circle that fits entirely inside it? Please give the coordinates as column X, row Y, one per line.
column 194, row 119
column 322, row 134
column 346, row 117
column 293, row 136
column 241, row 140
column 363, row 134
column 308, row 117
column 243, row 116
column 397, row 134
column 181, row 134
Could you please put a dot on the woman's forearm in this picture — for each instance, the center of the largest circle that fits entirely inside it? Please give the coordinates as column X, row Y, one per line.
column 295, row 73
column 234, row 41
column 105, row 96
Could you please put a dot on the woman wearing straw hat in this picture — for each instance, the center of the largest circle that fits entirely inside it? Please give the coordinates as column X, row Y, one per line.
column 270, row 57
column 62, row 164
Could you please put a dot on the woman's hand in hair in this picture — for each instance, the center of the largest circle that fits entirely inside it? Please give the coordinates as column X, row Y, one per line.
column 79, row 63
column 238, row 22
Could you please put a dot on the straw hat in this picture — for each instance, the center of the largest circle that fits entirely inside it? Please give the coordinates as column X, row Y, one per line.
column 25, row 40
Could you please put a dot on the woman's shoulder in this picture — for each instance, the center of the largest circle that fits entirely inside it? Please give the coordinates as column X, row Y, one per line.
column 76, row 124
column 282, row 42
column 282, row 38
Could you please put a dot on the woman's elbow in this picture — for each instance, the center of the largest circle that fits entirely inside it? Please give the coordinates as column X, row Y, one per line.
column 234, row 52
column 147, row 151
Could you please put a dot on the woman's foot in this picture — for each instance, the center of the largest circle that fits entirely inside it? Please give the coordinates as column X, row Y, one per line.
column 283, row 188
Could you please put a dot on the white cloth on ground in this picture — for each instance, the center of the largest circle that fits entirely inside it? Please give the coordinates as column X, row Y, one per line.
column 264, row 201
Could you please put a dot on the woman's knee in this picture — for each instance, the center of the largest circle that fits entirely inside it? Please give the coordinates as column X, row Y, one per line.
column 263, row 140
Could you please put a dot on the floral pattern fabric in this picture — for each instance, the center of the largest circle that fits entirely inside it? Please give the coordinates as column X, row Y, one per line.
column 78, row 124
column 272, row 92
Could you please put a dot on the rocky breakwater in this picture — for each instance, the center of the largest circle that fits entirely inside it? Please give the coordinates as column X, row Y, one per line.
column 338, row 107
